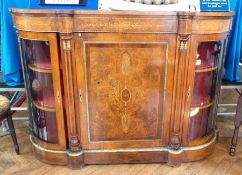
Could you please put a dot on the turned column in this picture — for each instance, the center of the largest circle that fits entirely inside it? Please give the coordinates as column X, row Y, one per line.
column 237, row 124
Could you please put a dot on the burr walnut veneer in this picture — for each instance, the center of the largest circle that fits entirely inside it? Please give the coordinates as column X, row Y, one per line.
column 121, row 87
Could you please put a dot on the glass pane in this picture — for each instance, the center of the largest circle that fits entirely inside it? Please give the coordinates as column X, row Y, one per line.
column 42, row 88
column 204, row 86
column 198, row 122
column 209, row 55
column 38, row 75
column 45, row 125
column 37, row 53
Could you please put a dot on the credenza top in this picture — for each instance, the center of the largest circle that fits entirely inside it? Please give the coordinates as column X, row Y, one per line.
column 117, row 13
column 72, row 21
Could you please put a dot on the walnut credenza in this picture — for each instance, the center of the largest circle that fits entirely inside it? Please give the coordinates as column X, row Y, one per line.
column 121, row 87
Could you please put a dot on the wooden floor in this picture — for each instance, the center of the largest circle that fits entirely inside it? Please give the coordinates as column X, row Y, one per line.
column 219, row 163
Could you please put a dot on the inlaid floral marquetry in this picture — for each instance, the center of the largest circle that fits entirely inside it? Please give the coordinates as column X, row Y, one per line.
column 125, row 85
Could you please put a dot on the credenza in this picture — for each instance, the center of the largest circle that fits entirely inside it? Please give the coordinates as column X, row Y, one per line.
column 109, row 87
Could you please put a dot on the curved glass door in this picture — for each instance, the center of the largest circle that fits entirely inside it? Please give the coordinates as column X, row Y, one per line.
column 40, row 85
column 42, row 78
column 206, row 71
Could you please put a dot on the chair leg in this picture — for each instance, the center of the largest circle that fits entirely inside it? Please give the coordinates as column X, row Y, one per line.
column 4, row 126
column 234, row 140
column 12, row 131
column 237, row 124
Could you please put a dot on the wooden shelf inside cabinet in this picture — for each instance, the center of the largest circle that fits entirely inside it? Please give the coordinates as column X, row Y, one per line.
column 38, row 69
column 43, row 64
column 42, row 107
column 196, row 109
column 208, row 69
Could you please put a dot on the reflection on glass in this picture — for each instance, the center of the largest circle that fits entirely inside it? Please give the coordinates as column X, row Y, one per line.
column 204, row 86
column 38, row 75
column 42, row 88
column 198, row 122
column 45, row 125
column 208, row 54
column 37, row 53
column 207, row 62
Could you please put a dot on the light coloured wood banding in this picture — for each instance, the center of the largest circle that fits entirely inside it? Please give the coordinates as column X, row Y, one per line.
column 43, row 108
column 209, row 69
column 41, row 70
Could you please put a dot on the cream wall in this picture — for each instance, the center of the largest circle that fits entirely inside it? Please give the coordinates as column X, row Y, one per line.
column 182, row 5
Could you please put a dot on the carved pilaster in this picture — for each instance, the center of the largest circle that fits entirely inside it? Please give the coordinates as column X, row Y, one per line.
column 69, row 84
column 182, row 90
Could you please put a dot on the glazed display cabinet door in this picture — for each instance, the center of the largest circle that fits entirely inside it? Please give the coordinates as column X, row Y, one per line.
column 206, row 85
column 42, row 77
column 126, row 98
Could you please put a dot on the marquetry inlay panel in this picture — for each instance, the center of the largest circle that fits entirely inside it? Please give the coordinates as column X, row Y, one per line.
column 126, row 90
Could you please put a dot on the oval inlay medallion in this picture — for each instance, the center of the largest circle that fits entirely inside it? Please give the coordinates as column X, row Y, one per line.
column 125, row 95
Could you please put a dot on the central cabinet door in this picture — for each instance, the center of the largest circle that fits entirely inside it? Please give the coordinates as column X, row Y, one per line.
column 125, row 86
